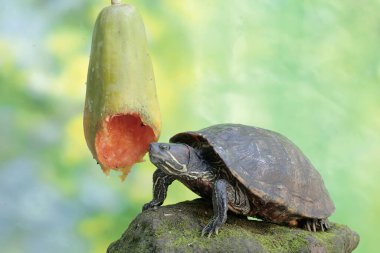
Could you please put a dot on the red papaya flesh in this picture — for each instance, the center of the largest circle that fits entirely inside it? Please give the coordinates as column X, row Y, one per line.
column 121, row 113
column 122, row 141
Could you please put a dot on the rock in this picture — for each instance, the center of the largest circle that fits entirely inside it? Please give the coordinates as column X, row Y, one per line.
column 177, row 228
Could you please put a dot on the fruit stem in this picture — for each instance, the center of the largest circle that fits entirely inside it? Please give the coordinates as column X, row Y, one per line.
column 113, row 2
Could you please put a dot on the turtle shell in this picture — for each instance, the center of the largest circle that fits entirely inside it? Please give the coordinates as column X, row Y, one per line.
column 268, row 164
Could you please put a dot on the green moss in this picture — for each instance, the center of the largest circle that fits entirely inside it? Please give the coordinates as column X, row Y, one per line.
column 177, row 228
column 279, row 239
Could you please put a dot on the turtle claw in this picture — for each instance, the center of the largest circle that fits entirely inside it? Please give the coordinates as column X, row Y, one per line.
column 314, row 227
column 325, row 225
column 308, row 226
column 149, row 205
column 211, row 228
column 146, row 206
column 317, row 225
column 207, row 231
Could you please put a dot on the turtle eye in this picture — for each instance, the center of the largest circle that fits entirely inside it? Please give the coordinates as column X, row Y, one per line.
column 164, row 147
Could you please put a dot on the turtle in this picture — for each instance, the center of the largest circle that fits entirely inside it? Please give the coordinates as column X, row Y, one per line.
column 247, row 170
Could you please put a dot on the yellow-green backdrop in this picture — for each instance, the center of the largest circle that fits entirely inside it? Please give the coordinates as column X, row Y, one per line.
column 307, row 69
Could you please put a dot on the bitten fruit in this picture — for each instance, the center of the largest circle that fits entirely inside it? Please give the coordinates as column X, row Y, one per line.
column 121, row 113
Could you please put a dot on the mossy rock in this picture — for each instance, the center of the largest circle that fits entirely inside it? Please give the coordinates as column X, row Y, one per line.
column 177, row 228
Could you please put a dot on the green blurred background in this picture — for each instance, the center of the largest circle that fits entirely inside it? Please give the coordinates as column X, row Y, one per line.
column 307, row 69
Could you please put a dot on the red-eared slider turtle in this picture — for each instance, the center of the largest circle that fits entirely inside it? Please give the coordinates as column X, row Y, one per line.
column 248, row 170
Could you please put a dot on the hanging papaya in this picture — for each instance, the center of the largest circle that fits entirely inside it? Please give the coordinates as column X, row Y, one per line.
column 121, row 112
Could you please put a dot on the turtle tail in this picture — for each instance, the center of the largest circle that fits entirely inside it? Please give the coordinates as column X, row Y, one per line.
column 314, row 225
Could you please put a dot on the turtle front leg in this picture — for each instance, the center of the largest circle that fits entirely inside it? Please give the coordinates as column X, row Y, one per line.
column 220, row 206
column 161, row 182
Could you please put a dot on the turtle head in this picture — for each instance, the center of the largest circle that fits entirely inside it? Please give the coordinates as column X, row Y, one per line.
column 171, row 158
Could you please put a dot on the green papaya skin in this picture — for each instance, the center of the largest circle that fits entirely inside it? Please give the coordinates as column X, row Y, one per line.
column 121, row 113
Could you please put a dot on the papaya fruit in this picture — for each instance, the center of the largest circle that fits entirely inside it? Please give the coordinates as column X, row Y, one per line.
column 121, row 111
